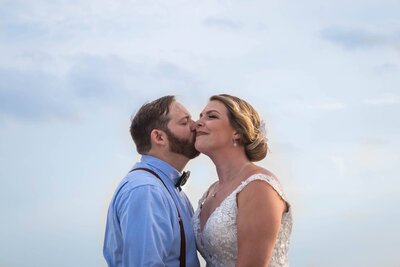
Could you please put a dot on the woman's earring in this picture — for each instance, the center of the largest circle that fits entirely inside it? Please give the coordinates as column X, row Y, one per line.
column 234, row 143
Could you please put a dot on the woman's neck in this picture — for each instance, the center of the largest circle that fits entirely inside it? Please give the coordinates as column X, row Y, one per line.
column 230, row 166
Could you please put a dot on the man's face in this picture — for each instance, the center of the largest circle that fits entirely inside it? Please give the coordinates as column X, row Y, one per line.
column 180, row 131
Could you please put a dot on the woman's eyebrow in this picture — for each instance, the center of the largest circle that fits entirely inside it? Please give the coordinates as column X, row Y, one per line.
column 209, row 111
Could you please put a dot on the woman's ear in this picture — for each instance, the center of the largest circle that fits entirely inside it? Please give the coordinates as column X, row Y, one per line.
column 236, row 136
column 158, row 137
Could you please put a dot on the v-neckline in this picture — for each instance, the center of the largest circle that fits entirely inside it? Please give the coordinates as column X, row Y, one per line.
column 201, row 229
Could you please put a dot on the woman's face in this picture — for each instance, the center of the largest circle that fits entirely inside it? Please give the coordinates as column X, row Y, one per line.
column 213, row 130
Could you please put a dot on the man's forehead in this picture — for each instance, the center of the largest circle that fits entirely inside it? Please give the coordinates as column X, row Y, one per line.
column 178, row 111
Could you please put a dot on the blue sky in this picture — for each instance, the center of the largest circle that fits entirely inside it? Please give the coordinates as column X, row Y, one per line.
column 325, row 76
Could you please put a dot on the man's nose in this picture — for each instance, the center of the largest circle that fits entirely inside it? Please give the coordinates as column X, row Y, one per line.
column 193, row 125
column 198, row 123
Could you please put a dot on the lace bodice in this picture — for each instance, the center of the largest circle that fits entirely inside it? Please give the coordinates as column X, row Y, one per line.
column 217, row 242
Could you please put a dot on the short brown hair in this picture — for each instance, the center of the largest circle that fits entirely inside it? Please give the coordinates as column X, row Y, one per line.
column 245, row 119
column 153, row 115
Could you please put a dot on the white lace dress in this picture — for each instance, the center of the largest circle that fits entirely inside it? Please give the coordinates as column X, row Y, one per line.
column 217, row 242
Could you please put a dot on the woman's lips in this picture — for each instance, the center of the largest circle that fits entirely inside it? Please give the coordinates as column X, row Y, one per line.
column 200, row 133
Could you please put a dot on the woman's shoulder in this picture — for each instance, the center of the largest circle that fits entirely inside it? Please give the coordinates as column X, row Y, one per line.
column 258, row 177
column 260, row 173
column 257, row 170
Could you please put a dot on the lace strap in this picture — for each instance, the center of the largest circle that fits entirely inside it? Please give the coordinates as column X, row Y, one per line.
column 266, row 178
column 205, row 195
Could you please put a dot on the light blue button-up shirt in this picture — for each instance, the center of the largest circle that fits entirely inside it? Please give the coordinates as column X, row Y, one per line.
column 142, row 223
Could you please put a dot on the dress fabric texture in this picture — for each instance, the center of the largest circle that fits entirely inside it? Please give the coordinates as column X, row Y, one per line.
column 217, row 242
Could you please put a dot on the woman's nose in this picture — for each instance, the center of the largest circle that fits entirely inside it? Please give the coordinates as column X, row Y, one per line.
column 198, row 123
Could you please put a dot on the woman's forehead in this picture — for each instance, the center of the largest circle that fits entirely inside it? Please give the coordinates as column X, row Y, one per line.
column 215, row 105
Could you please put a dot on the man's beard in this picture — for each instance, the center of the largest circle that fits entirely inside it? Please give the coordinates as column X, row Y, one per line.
column 182, row 146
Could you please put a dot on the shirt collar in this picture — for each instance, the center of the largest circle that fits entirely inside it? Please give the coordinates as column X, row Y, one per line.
column 164, row 167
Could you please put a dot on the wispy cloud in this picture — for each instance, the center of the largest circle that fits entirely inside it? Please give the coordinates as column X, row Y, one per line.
column 386, row 100
column 327, row 106
column 340, row 164
column 97, row 78
column 91, row 80
column 386, row 68
column 223, row 23
column 352, row 38
column 33, row 95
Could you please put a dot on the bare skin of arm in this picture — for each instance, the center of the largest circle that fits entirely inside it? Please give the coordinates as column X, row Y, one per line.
column 260, row 210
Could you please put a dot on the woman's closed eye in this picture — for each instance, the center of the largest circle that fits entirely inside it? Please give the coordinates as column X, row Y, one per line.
column 211, row 115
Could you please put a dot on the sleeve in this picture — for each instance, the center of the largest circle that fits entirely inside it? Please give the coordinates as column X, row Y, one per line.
column 146, row 226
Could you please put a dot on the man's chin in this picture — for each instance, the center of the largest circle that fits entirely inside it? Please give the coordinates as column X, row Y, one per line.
column 194, row 155
column 191, row 153
column 194, row 152
column 184, row 147
column 188, row 155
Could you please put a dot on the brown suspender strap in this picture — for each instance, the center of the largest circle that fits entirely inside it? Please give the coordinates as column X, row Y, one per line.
column 182, row 256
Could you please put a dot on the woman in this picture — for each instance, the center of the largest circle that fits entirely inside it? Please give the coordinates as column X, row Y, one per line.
column 243, row 219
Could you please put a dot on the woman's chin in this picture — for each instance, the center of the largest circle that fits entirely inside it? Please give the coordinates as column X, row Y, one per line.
column 199, row 147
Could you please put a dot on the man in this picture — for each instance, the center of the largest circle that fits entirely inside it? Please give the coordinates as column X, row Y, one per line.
column 143, row 228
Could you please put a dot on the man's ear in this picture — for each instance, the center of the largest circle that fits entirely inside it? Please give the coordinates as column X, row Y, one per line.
column 158, row 137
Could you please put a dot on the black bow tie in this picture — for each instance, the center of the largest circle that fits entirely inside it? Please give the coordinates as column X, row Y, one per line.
column 182, row 180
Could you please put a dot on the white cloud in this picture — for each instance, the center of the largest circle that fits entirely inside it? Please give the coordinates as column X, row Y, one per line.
column 107, row 57
column 327, row 106
column 354, row 38
column 34, row 95
column 386, row 100
column 339, row 163
column 386, row 68
column 223, row 23
column 88, row 82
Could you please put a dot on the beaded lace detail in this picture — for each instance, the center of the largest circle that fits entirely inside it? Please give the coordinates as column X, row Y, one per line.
column 217, row 242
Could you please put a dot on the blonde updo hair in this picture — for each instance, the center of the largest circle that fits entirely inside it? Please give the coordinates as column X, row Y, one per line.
column 245, row 119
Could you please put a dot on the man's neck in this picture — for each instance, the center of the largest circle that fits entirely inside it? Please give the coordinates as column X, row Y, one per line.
column 175, row 160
